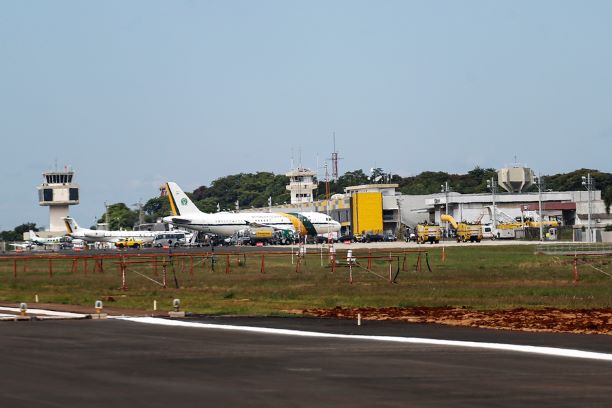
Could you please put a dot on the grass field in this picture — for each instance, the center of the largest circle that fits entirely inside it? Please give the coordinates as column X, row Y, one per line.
column 475, row 277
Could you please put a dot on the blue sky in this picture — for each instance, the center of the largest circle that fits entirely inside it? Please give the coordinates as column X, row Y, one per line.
column 135, row 93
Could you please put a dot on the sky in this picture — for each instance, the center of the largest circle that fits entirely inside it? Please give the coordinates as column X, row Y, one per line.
column 131, row 94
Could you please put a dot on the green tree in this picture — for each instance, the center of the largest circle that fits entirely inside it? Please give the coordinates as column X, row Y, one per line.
column 155, row 208
column 17, row 233
column 120, row 217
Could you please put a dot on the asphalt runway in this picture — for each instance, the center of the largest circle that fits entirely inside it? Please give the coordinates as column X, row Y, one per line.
column 117, row 363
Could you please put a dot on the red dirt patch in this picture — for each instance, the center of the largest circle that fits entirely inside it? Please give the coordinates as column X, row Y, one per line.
column 591, row 321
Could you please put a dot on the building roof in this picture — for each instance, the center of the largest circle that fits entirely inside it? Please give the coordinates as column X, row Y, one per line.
column 370, row 187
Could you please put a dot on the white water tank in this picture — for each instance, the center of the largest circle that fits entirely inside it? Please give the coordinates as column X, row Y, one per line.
column 515, row 179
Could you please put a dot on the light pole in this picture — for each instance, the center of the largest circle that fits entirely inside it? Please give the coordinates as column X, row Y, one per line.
column 444, row 188
column 587, row 182
column 538, row 181
column 491, row 185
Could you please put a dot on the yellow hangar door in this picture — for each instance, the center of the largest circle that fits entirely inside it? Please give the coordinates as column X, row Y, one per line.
column 366, row 210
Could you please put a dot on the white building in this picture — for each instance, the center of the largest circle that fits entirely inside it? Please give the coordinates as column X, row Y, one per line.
column 58, row 192
column 301, row 185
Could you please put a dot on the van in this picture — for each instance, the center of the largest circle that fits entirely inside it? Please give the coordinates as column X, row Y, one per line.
column 169, row 239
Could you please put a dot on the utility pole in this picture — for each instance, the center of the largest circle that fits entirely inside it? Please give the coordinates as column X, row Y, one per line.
column 588, row 183
column 492, row 185
column 140, row 212
column 106, row 220
column 539, row 184
column 445, row 189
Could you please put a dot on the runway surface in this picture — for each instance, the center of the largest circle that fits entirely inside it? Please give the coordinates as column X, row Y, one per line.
column 122, row 363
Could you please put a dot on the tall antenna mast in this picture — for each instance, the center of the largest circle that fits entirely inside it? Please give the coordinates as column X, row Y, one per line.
column 326, row 184
column 334, row 160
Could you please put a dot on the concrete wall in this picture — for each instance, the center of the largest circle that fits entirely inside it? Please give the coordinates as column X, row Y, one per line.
column 409, row 206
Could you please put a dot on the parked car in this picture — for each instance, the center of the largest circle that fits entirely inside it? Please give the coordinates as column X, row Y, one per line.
column 371, row 237
column 346, row 238
column 389, row 236
column 323, row 239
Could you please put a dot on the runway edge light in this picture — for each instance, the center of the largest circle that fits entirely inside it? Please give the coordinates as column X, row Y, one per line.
column 99, row 315
column 176, row 304
column 23, row 312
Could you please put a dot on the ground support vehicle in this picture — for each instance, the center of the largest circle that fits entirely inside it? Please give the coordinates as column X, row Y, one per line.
column 428, row 233
column 464, row 232
column 129, row 243
column 469, row 232
column 169, row 238
column 283, row 237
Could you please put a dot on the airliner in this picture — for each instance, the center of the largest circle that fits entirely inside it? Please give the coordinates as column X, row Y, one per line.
column 91, row 235
column 185, row 214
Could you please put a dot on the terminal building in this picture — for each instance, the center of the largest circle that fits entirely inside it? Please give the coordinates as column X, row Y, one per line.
column 378, row 208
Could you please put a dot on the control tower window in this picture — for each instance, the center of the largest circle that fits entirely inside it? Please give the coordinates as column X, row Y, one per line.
column 74, row 194
column 48, row 194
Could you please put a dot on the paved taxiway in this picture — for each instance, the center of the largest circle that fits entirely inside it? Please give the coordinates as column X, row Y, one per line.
column 121, row 363
column 311, row 248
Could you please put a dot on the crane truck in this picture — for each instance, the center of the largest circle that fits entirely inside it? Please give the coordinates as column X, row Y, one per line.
column 465, row 232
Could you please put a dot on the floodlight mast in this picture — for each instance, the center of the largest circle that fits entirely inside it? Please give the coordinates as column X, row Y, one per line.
column 539, row 184
column 588, row 183
column 493, row 187
column 445, row 189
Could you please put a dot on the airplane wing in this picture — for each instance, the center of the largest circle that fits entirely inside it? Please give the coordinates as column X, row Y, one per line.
column 177, row 220
column 24, row 245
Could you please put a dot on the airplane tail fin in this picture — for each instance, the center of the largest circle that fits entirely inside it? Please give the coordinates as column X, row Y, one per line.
column 33, row 234
column 180, row 204
column 71, row 225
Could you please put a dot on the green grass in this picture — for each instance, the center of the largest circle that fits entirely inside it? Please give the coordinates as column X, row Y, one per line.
column 476, row 277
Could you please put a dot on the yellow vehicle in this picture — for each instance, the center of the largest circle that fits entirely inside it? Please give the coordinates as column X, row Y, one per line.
column 428, row 233
column 129, row 243
column 465, row 232
column 545, row 224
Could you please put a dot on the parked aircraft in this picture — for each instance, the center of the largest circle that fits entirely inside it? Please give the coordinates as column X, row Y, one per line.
column 35, row 240
column 90, row 235
column 185, row 214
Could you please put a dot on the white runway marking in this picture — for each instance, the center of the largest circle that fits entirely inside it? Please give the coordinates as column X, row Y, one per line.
column 44, row 312
column 549, row 351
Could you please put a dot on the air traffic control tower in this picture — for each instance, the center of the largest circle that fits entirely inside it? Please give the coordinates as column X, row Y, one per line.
column 58, row 192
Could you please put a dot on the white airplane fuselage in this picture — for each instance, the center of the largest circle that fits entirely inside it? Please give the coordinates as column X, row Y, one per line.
column 90, row 235
column 187, row 215
column 227, row 224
